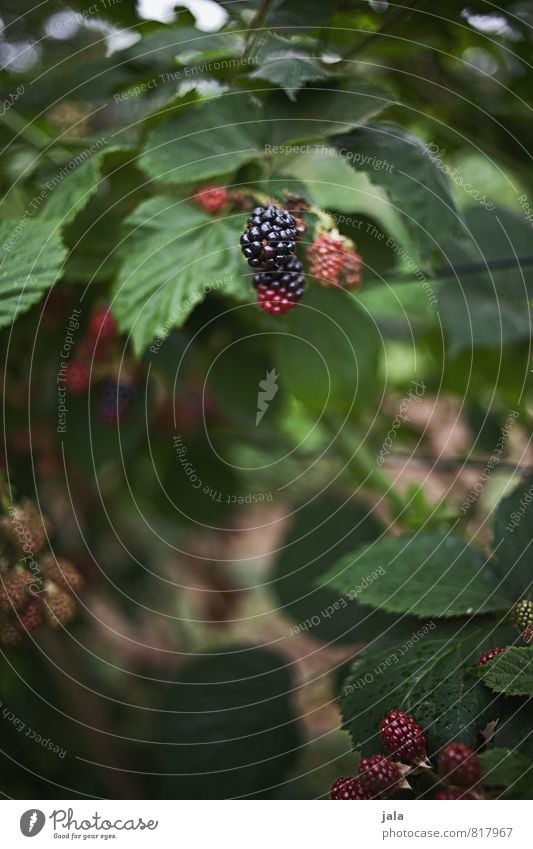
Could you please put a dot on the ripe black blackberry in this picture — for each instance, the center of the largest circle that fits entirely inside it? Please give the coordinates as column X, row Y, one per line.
column 269, row 240
column 115, row 400
column 279, row 291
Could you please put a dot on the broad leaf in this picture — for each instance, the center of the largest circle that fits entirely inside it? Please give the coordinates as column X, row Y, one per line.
column 502, row 767
column 428, row 678
column 72, row 191
column 401, row 164
column 512, row 563
column 198, row 141
column 287, row 65
column 174, row 255
column 31, row 260
column 425, row 574
column 510, row 672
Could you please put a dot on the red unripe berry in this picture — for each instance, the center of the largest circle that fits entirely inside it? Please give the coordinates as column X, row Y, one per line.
column 62, row 572
column 348, row 788
column 10, row 633
column 211, row 198
column 490, row 654
column 32, row 617
column 77, row 377
column 460, row 763
column 454, row 793
column 333, row 263
column 14, row 589
column 103, row 325
column 403, row 737
column 378, row 775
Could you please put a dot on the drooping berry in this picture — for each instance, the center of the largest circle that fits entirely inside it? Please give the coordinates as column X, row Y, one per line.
column 26, row 527
column 490, row 654
column 348, row 788
column 62, row 572
column 14, row 589
column 460, row 764
column 378, row 775
column 77, row 377
column 10, row 633
column 403, row 737
column 333, row 263
column 279, row 291
column 269, row 239
column 102, row 325
column 211, row 198
column 32, row 617
column 115, row 401
column 522, row 614
column 59, row 606
column 454, row 793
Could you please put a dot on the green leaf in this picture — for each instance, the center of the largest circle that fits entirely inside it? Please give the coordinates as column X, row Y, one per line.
column 512, row 541
column 401, row 164
column 201, row 140
column 32, row 256
column 481, row 306
column 510, row 672
column 287, row 65
column 174, row 255
column 327, row 352
column 71, row 191
column 427, row 677
column 424, row 574
column 502, row 767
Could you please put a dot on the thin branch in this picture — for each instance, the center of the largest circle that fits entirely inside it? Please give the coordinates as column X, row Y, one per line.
column 361, row 45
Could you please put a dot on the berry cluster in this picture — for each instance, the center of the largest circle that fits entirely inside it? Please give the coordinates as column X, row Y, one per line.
column 333, row 262
column 522, row 616
column 402, row 736
column 37, row 594
column 490, row 654
column 279, row 291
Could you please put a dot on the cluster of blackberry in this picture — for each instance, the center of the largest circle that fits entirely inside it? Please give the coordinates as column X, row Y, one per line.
column 115, row 400
column 402, row 736
column 36, row 588
column 269, row 244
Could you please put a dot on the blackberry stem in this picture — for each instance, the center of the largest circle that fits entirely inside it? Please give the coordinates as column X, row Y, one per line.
column 363, row 464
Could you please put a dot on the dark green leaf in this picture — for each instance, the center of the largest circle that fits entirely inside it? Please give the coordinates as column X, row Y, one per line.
column 423, row 574
column 401, row 164
column 287, row 65
column 510, row 672
column 502, row 767
column 512, row 563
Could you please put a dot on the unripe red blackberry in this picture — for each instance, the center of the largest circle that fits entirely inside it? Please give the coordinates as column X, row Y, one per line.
column 351, row 272
column 10, row 633
column 31, row 618
column 77, row 377
column 14, row 588
column 333, row 263
column 62, row 572
column 460, row 763
column 26, row 527
column 522, row 614
column 102, row 325
column 269, row 239
column 59, row 606
column 454, row 793
column 490, row 654
column 378, row 775
column 279, row 291
column 211, row 198
column 348, row 788
column 403, row 737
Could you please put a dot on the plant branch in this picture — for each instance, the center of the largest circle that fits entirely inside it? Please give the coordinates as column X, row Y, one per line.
column 361, row 45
